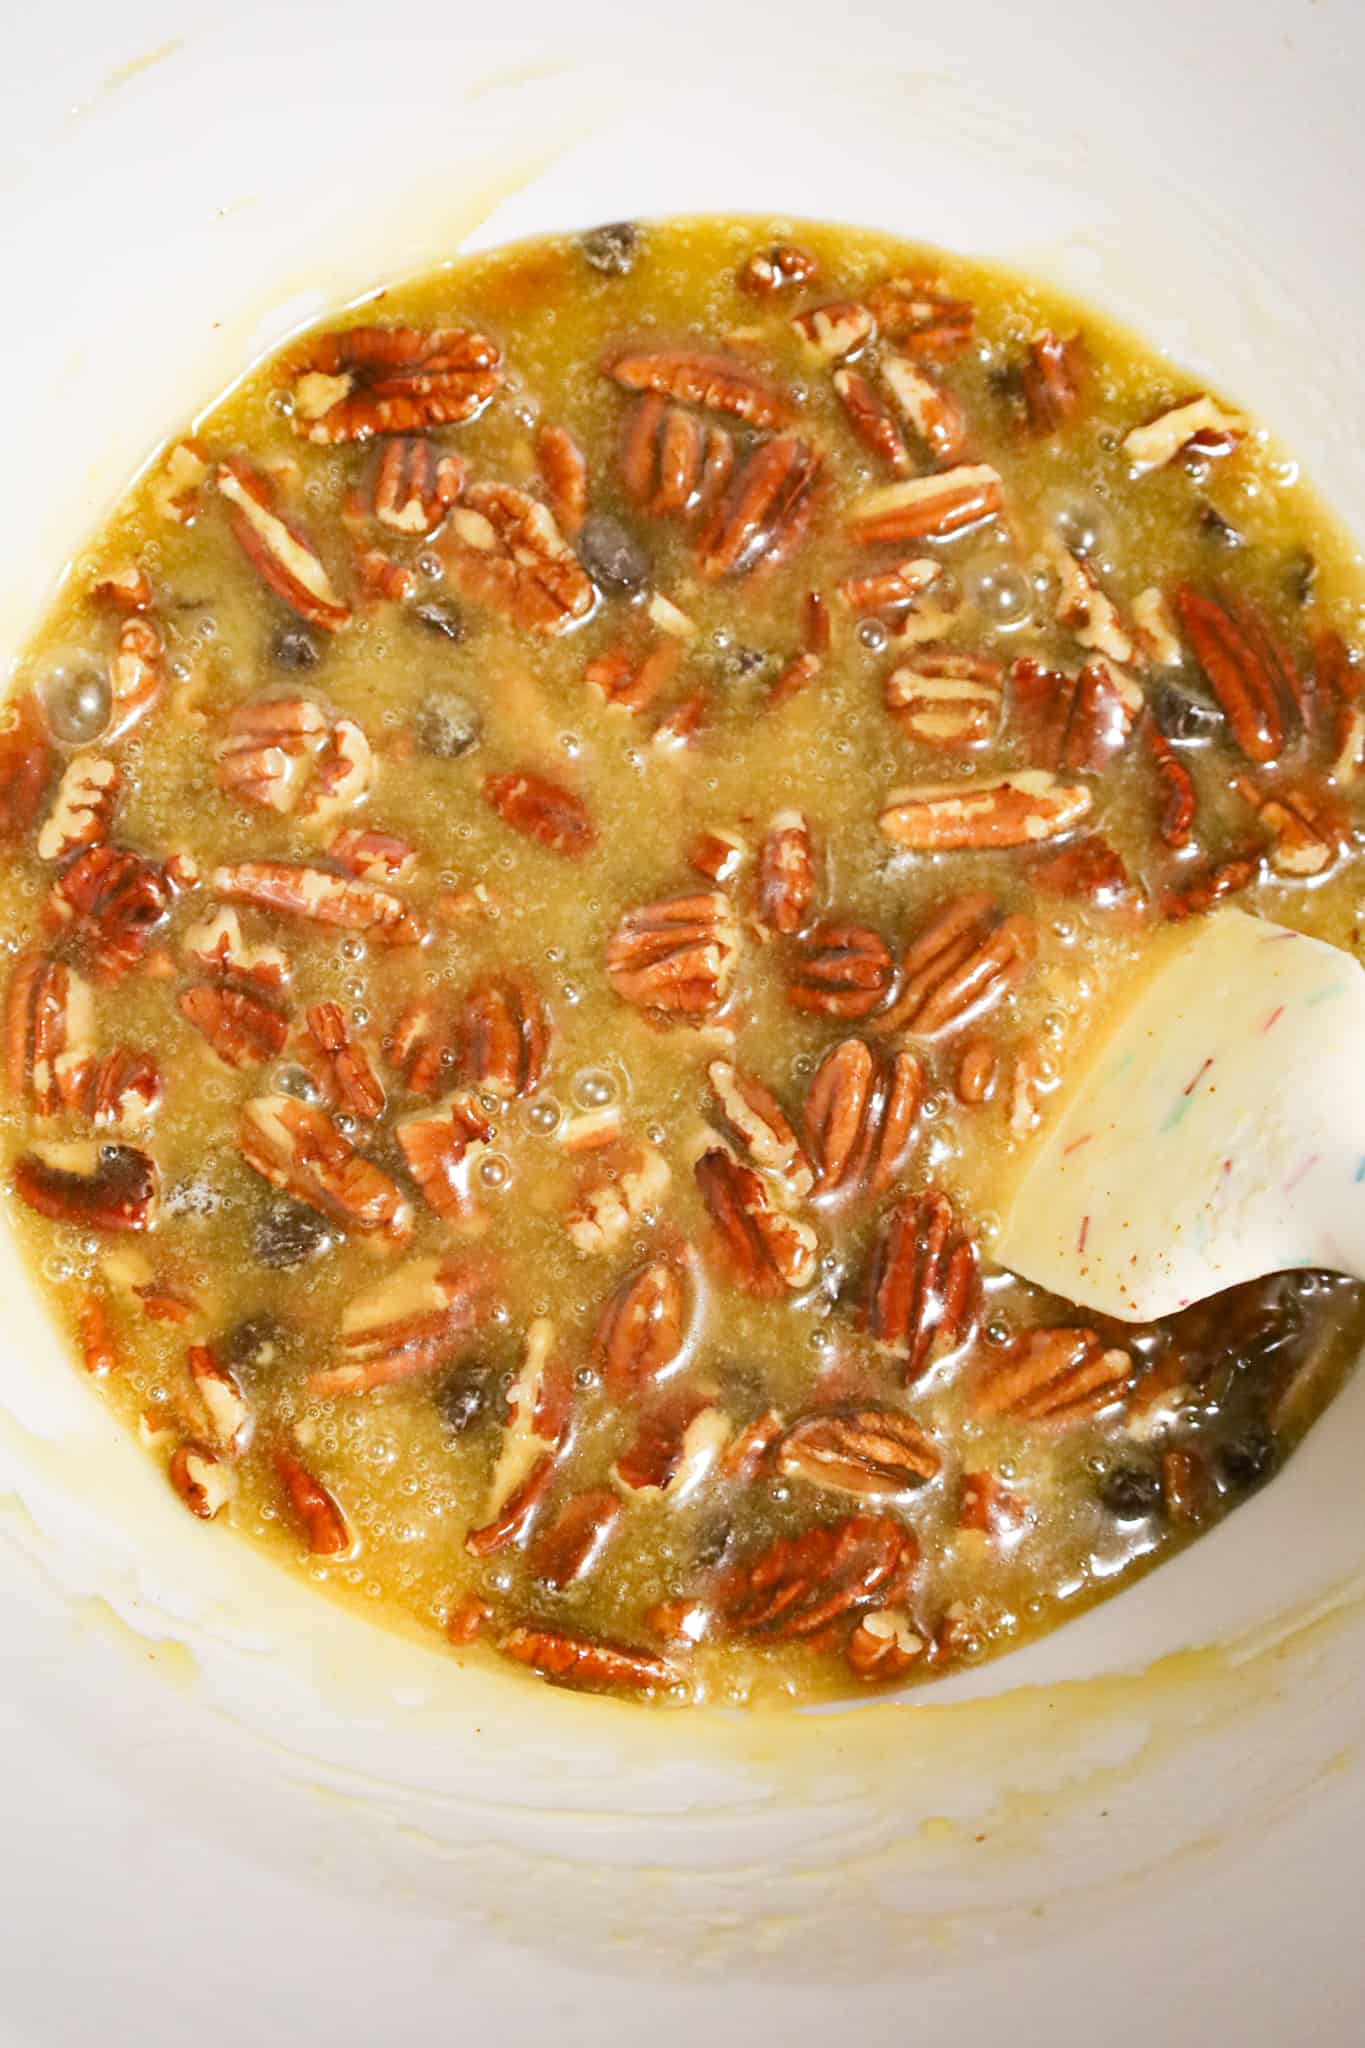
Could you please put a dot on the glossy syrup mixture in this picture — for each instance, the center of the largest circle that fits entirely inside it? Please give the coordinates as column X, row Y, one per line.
column 515, row 1041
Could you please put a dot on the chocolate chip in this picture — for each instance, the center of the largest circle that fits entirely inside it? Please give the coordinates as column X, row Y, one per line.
column 1186, row 720
column 464, row 1397
column 292, row 648
column 444, row 619
column 1214, row 528
column 448, row 725
column 611, row 554
column 288, row 1235
column 1130, row 1493
column 611, row 249
column 1246, row 1460
column 256, row 1342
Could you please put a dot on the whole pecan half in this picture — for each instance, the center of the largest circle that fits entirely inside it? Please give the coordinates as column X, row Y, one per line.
column 586, row 1661
column 872, row 1453
column 776, row 269
column 1249, row 669
column 965, row 959
column 355, row 1086
column 1051, row 380
column 313, row 1506
column 1016, row 810
column 405, row 1325
column 872, row 419
column 860, row 1117
column 97, row 1186
column 762, row 519
column 441, row 1147
column 767, row 1249
column 505, row 1035
column 412, row 485
column 927, row 322
column 25, row 759
column 1074, row 722
column 569, row 1547
column 921, row 1281
column 759, row 1123
column 843, row 970
column 82, row 809
column 362, row 381
column 786, row 873
column 49, row 1034
column 278, row 550
column 673, row 465
column 947, row 701
column 677, row 955
column 885, row 1645
column 837, row 332
column 928, row 507
column 504, row 549
column 243, row 1028
column 799, row 1586
column 116, row 902
column 541, row 810
column 1051, row 1375
column 564, row 473
column 716, row 382
column 297, row 1148
column 640, row 1330
column 296, row 889
column 932, row 411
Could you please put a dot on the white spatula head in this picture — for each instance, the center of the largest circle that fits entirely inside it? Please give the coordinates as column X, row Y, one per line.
column 1214, row 1132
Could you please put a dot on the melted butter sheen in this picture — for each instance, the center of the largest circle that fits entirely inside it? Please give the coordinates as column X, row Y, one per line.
column 1223, row 1393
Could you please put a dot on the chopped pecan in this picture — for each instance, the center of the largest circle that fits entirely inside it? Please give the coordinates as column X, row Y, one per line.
column 921, row 1282
column 1154, row 629
column 927, row 322
column 372, row 856
column 405, row 1325
column 845, row 970
column 25, row 757
column 763, row 517
column 1034, row 1076
column 342, row 774
column 467, row 1619
column 798, row 1586
column 679, row 1438
column 1176, row 791
column 1051, row 380
column 929, row 507
column 677, row 955
column 860, row 1116
column 49, row 1034
column 679, row 727
column 504, row 549
column 362, row 381
column 967, row 957
column 296, row 889
column 837, row 332
column 175, row 491
column 98, row 1348
column 786, row 873
column 280, row 552
column 767, row 1249
column 674, row 465
column 758, row 1120
column 1074, row 722
column 564, row 472
column 539, row 1405
column 800, row 672
column 975, row 1071
column 356, row 1086
column 125, row 1089
column 422, row 1045
column 1338, row 683
column 381, row 578
column 586, row 1661
column 1216, row 881
column 137, row 676
column 947, row 701
column 82, row 809
column 1200, row 425
column 264, row 748
column 572, row 1544
column 1249, row 670
column 872, row 420
column 413, row 484
column 541, row 810
column 933, row 412
column 987, row 1507
column 505, row 1034
column 890, row 591
column 201, row 1479
column 313, row 1506
column 872, row 1453
column 1017, row 810
column 1185, row 1485
column 218, row 947
column 640, row 1333
column 297, row 1148
column 590, row 1129
column 117, row 902
column 747, row 1452
column 1052, row 1375
column 1091, row 869
column 623, row 1184
column 224, row 1402
column 628, row 684
column 98, row 1186
column 243, row 1028
column 884, row 1645
column 716, row 382
column 1084, row 607
column 718, row 855
column 441, row 1147
column 776, row 269
column 1306, row 831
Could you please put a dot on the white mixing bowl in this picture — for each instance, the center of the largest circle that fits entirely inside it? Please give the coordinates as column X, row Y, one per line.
column 234, row 1812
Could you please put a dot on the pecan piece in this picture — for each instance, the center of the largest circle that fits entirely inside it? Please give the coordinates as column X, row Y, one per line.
column 1075, row 722
column 1154, row 629
column 924, row 320
column 975, row 1071
column 201, row 1480
column 1217, row 881
column 263, row 749
column 717, row 855
column 798, row 1586
column 355, row 1085
column 837, row 332
column 297, row 1148
column 872, row 420
column 776, row 269
column 921, row 1282
column 678, row 1441
column 845, row 970
column 786, row 874
column 674, row 465
column 314, row 1507
column 243, row 1028
column 297, row 889
column 1177, row 791
column 1306, row 830
column 1051, row 380
column 758, row 1120
column 713, row 381
column 762, row 519
column 968, row 956
column 362, row 381
column 640, row 1333
column 1200, row 425
column 1250, row 672
column 97, row 1186
column 49, row 1034
column 413, row 484
column 947, row 701
column 677, row 955
column 372, row 856
column 933, row 412
column 505, row 1035
column 342, row 774
column 224, row 1402
column 504, row 549
column 586, row 1661
column 1017, row 810
column 218, row 947
column 1083, row 605
column 405, row 1325
column 623, row 1185
column 280, row 552
column 124, row 1090
column 539, row 1405
column 82, row 809
column 137, row 676
column 630, row 685
column 571, row 1546
column 441, row 1147
column 1091, row 869
column 884, row 1645
column 872, row 1453
column 890, row 590
column 860, row 1117
column 929, row 507
column 1052, row 1375
column 541, row 810
column 116, row 902
column 25, row 757
column 767, row 1249
column 98, row 1349
column 564, row 472
column 422, row 1046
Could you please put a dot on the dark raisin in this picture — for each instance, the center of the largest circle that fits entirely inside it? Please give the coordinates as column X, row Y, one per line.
column 292, row 648
column 611, row 554
column 289, row 1234
column 444, row 619
column 1186, row 720
column 1130, row 1493
column 1214, row 528
column 448, row 725
column 255, row 1343
column 464, row 1396
column 1301, row 576
column 611, row 249
column 1246, row 1460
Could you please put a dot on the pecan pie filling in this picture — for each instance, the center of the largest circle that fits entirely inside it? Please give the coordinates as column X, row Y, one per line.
column 559, row 850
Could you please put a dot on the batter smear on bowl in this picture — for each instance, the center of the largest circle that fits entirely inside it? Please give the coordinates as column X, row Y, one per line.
column 560, row 847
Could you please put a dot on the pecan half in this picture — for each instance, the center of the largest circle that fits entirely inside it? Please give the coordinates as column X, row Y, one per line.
column 716, row 382
column 98, row 1186
column 1051, row 380
column 296, row 889
column 541, row 810
column 82, row 809
column 933, row 412
column 786, row 873
column 117, row 902
column 1217, row 881
column 975, row 1071
column 362, row 381
column 860, row 1117
column 967, row 957
column 1249, row 670
column 837, row 332
column 49, row 1034
column 1017, row 810
column 927, row 322
column 763, row 517
column 1084, row 606
column 413, row 484
column 586, row 1661
column 201, row 1480
column 759, row 1122
column 405, row 1325
column 776, row 269
column 1177, row 797
column 25, row 757
column 218, row 947
column 872, row 420
column 677, row 955
column 539, row 1405
column 355, row 1085
column 1052, row 1375
column 947, row 701
column 624, row 1183
column 673, row 465
column 884, row 1645
column 505, row 1035
column 872, row 1453
column 279, row 551
column 564, row 472
column 422, row 1045
column 314, row 1507
column 297, row 1148
column 264, row 747
column 640, row 1333
column 441, row 1147
column 798, row 1586
column 766, row 1249
column 571, row 1546
column 1199, row 424
column 844, row 970
column 679, row 1438
column 1074, row 722
column 921, row 1282
column 929, row 507
column 137, row 676
column 242, row 1027
column 504, row 549
column 224, row 1402
column 1307, row 831
column 1091, row 869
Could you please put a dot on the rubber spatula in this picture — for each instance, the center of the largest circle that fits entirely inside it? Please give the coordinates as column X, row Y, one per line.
column 1214, row 1131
